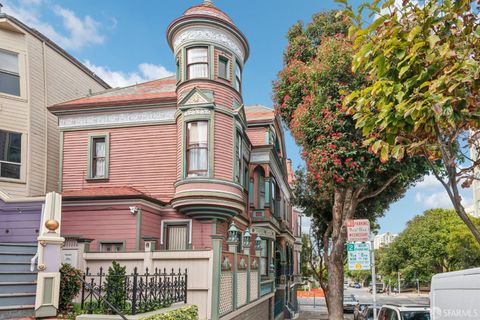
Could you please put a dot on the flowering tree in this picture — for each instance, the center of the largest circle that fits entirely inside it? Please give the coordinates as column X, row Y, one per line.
column 344, row 179
column 423, row 62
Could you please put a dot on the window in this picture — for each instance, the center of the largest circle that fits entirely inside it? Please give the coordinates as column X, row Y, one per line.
column 177, row 64
column 10, row 154
column 176, row 236
column 264, row 258
column 197, row 148
column 238, row 158
column 223, row 67
column 9, row 74
column 114, row 246
column 197, row 63
column 246, row 179
column 98, row 166
column 261, row 191
column 239, row 242
column 238, row 76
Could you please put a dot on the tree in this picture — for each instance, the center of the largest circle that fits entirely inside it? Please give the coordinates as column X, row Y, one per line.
column 115, row 285
column 423, row 62
column 437, row 241
column 343, row 180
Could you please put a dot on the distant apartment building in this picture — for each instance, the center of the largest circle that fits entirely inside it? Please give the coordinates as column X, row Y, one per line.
column 34, row 73
column 383, row 240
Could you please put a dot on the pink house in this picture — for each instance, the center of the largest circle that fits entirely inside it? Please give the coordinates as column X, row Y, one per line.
column 182, row 164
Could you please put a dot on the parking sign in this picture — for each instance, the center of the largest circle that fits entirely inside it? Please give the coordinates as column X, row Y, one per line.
column 358, row 256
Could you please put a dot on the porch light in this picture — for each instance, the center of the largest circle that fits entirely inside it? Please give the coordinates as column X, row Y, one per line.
column 232, row 232
column 258, row 242
column 246, row 238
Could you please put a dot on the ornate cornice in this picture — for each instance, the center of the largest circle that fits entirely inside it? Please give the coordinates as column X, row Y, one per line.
column 205, row 34
column 116, row 118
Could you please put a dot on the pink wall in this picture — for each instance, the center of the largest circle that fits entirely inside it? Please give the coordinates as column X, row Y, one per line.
column 223, row 166
column 100, row 223
column 140, row 157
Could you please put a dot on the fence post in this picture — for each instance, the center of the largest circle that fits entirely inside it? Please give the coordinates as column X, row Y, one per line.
column 49, row 253
column 134, row 291
column 216, row 261
column 185, row 286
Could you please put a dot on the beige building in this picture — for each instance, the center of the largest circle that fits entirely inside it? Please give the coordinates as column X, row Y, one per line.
column 383, row 240
column 34, row 73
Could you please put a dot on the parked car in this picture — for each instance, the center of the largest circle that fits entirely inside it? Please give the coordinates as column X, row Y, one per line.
column 349, row 303
column 404, row 312
column 357, row 285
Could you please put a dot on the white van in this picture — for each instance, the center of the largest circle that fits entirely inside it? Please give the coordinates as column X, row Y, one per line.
column 455, row 295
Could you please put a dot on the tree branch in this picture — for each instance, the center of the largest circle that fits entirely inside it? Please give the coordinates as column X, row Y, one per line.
column 379, row 190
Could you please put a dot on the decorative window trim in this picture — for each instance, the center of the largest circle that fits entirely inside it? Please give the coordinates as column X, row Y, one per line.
column 91, row 137
column 165, row 223
column 236, row 78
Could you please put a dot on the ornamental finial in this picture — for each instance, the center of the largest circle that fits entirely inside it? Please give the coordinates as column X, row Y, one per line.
column 208, row 2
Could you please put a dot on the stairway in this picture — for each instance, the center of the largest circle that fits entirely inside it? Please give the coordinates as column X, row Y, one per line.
column 18, row 284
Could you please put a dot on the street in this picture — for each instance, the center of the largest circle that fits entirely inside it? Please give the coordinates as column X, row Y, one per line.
column 315, row 308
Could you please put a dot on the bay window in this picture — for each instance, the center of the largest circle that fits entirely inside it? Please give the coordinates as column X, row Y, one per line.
column 10, row 154
column 197, row 63
column 9, row 73
column 197, row 148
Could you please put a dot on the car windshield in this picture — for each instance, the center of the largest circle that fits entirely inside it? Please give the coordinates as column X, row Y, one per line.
column 349, row 299
column 415, row 315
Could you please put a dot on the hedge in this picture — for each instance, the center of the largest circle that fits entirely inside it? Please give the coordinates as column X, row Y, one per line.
column 188, row 313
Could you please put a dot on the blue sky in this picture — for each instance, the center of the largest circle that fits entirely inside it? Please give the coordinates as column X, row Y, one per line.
column 125, row 42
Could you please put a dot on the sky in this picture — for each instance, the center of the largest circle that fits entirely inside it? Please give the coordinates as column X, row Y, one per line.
column 124, row 42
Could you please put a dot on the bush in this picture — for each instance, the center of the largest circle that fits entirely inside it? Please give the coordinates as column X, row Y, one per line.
column 70, row 285
column 188, row 313
column 115, row 285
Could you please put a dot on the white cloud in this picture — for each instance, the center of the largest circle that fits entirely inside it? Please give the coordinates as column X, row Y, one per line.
column 429, row 182
column 146, row 72
column 77, row 32
column 438, row 199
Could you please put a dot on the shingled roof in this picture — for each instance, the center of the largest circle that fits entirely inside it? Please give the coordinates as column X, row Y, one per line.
column 151, row 92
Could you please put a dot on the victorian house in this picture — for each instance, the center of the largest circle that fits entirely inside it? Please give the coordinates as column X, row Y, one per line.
column 181, row 168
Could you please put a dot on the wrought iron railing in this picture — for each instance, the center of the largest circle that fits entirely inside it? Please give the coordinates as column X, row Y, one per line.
column 134, row 293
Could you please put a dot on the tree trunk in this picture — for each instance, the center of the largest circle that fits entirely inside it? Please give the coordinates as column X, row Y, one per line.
column 335, row 285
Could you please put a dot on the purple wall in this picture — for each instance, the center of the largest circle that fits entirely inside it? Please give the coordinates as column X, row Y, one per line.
column 19, row 222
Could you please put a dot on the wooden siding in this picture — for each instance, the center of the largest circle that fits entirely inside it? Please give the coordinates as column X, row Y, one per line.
column 140, row 157
column 257, row 135
column 201, row 230
column 151, row 222
column 46, row 77
column 179, row 154
column 223, row 165
column 100, row 223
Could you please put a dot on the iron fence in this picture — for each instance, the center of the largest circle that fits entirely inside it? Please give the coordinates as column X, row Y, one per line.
column 134, row 293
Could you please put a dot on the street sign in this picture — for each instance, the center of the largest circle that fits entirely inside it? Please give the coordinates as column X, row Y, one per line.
column 358, row 256
column 358, row 230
